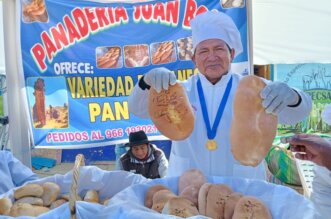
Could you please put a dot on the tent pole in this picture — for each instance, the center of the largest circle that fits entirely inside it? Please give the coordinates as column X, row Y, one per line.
column 19, row 140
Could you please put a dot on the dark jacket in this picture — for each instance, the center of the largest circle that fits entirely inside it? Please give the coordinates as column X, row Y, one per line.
column 148, row 168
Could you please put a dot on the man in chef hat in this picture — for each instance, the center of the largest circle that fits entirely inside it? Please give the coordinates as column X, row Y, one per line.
column 216, row 42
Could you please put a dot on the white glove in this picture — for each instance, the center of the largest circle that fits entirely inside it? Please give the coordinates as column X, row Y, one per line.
column 276, row 96
column 160, row 78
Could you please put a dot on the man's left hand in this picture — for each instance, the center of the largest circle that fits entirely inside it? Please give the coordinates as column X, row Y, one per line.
column 276, row 96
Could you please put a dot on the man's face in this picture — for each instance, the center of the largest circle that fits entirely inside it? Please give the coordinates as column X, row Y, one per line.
column 213, row 59
column 140, row 151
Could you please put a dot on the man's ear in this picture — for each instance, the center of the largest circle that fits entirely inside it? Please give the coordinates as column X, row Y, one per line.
column 193, row 58
column 232, row 52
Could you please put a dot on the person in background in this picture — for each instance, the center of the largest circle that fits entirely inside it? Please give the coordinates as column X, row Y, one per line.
column 216, row 42
column 143, row 157
column 318, row 150
column 13, row 173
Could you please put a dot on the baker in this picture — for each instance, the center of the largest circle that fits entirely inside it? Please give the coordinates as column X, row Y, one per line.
column 216, row 42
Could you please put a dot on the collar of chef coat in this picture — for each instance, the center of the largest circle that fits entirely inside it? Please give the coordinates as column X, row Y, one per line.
column 223, row 82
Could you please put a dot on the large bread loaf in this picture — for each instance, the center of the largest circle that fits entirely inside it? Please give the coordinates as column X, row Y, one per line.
column 252, row 129
column 171, row 112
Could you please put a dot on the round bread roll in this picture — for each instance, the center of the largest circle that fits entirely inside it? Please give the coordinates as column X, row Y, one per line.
column 171, row 112
column 250, row 207
column 191, row 193
column 66, row 197
column 160, row 198
column 180, row 207
column 31, row 200
column 202, row 198
column 57, row 203
column 106, row 201
column 192, row 177
column 91, row 196
column 230, row 204
column 51, row 192
column 34, row 190
column 252, row 129
column 215, row 202
column 150, row 193
column 5, row 205
column 25, row 209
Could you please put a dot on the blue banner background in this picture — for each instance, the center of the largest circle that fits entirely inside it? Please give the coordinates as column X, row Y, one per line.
column 72, row 124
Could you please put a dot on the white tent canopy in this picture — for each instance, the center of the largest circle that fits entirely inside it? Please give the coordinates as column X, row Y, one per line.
column 291, row 31
column 296, row 31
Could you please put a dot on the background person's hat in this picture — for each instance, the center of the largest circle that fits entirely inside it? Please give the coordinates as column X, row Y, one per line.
column 216, row 25
column 137, row 138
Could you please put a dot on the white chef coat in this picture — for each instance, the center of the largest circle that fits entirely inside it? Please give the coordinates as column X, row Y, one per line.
column 13, row 172
column 191, row 152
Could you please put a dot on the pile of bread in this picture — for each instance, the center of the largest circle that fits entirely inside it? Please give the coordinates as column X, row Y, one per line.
column 198, row 197
column 34, row 200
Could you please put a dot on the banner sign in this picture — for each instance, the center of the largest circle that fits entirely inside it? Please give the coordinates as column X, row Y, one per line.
column 81, row 60
column 315, row 79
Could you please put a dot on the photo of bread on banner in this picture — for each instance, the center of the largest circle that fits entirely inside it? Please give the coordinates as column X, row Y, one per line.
column 198, row 197
column 34, row 10
column 184, row 47
column 232, row 3
column 109, row 57
column 36, row 199
column 163, row 52
column 171, row 112
column 252, row 129
column 136, row 56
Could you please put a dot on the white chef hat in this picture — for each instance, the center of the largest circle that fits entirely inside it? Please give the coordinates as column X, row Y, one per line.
column 326, row 114
column 216, row 25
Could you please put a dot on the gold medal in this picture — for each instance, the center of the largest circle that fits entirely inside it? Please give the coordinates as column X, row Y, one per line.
column 211, row 145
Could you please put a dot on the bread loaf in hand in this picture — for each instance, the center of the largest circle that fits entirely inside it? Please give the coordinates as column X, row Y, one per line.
column 171, row 112
column 252, row 129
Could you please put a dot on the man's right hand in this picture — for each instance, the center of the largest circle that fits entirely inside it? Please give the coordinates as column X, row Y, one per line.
column 160, row 78
column 312, row 148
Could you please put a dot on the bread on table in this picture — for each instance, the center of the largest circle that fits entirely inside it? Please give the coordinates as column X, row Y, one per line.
column 51, row 192
column 34, row 190
column 25, row 209
column 91, row 196
column 5, row 205
column 160, row 198
column 180, row 207
column 150, row 193
column 250, row 207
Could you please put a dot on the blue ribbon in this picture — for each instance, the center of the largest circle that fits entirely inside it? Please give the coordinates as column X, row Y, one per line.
column 211, row 131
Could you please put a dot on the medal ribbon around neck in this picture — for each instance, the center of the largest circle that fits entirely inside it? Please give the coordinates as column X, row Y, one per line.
column 211, row 131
